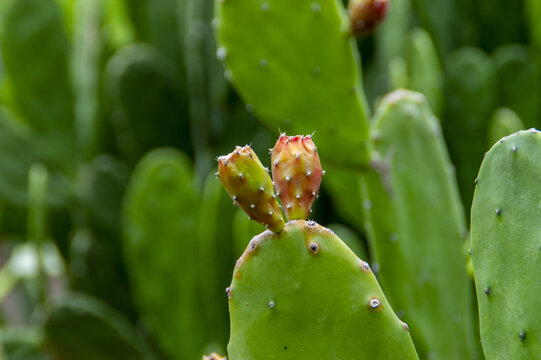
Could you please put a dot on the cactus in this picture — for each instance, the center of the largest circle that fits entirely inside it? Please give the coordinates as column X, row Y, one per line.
column 280, row 274
column 417, row 227
column 297, row 173
column 425, row 72
column 505, row 247
column 322, row 78
column 503, row 122
column 159, row 223
column 519, row 85
column 366, row 15
column 290, row 290
column 470, row 99
column 250, row 187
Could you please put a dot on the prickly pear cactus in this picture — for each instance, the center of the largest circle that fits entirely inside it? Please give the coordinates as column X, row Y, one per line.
column 416, row 227
column 297, row 173
column 322, row 78
column 505, row 250
column 250, row 186
column 301, row 293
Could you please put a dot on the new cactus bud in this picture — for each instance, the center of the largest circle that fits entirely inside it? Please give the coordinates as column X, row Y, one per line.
column 297, row 173
column 365, row 15
column 250, row 186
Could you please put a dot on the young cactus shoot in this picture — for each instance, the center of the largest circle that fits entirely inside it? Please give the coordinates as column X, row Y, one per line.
column 250, row 186
column 297, row 173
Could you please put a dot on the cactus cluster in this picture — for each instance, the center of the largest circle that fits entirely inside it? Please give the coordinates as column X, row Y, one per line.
column 118, row 239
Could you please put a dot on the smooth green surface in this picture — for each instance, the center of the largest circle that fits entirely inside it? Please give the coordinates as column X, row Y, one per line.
column 290, row 303
column 503, row 122
column 470, row 98
column 425, row 72
column 519, row 82
column 160, row 220
column 417, row 228
column 506, row 255
column 81, row 327
column 302, row 78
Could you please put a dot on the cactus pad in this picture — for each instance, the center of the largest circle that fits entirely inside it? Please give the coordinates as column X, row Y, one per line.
column 506, row 247
column 303, row 294
column 297, row 173
column 250, row 186
column 322, row 78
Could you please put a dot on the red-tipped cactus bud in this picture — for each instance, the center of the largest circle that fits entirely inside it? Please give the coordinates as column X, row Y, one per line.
column 250, row 186
column 297, row 173
column 365, row 15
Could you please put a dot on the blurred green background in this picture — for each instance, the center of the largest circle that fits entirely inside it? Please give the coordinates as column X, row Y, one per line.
column 116, row 240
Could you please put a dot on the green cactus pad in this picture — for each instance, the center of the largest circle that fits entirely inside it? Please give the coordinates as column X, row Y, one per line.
column 417, row 227
column 425, row 72
column 160, row 220
column 302, row 78
column 506, row 247
column 303, row 294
